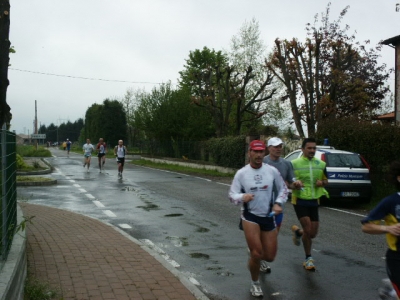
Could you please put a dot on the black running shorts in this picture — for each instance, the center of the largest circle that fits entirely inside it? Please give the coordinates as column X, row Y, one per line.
column 265, row 223
column 121, row 160
column 307, row 211
column 393, row 269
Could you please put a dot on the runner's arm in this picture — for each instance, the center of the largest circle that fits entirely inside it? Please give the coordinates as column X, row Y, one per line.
column 236, row 192
column 281, row 188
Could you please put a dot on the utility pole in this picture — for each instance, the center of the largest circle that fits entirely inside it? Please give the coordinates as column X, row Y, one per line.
column 5, row 114
column 36, row 117
column 36, row 123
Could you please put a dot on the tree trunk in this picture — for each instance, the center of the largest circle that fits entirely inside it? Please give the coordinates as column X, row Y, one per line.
column 5, row 115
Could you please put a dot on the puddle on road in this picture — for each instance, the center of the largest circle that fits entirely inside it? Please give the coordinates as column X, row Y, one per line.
column 180, row 207
column 178, row 241
column 225, row 274
column 173, row 215
column 199, row 228
column 199, row 255
column 149, row 206
column 128, row 188
column 215, row 268
column 202, row 229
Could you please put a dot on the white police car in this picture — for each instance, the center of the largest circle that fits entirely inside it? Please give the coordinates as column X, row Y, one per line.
column 348, row 172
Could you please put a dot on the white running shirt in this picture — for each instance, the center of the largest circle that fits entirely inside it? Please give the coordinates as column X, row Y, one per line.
column 121, row 151
column 259, row 182
column 88, row 148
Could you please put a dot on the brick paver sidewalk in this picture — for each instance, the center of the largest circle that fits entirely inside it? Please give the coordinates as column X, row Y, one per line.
column 87, row 259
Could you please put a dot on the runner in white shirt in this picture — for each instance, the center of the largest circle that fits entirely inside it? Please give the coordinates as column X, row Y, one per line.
column 87, row 153
column 253, row 186
column 120, row 152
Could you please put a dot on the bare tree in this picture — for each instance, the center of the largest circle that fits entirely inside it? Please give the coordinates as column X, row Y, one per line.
column 330, row 75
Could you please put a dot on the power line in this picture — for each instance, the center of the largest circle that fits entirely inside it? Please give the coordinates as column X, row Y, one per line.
column 78, row 77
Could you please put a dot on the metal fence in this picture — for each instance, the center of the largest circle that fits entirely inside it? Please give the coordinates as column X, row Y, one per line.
column 8, row 188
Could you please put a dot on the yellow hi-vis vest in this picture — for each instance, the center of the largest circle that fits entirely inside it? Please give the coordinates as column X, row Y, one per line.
column 309, row 171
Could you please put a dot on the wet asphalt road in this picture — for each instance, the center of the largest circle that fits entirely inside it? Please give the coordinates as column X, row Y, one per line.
column 191, row 222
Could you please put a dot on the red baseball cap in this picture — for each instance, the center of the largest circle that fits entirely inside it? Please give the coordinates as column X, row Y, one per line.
column 257, row 145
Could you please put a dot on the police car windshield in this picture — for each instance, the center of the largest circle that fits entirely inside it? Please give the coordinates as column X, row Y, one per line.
column 341, row 160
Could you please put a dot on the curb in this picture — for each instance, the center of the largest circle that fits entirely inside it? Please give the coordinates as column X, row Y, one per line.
column 36, row 183
column 14, row 272
column 41, row 172
column 191, row 165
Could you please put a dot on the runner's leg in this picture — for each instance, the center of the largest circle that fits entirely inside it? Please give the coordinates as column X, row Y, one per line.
column 252, row 235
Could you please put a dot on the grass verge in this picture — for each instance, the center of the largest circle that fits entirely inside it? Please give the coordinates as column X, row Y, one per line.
column 182, row 169
column 32, row 179
column 37, row 290
column 31, row 151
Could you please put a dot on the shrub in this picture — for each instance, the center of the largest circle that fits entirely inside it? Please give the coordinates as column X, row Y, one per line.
column 30, row 151
column 377, row 143
column 21, row 164
column 228, row 152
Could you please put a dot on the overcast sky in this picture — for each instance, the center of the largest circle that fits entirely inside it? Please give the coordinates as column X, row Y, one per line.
column 145, row 43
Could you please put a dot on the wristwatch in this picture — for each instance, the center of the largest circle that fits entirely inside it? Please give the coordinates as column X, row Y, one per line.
column 278, row 203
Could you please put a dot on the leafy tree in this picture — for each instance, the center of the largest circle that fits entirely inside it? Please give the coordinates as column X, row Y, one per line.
column 113, row 119
column 93, row 123
column 107, row 121
column 51, row 133
column 330, row 75
column 167, row 116
column 248, row 49
column 221, row 90
column 387, row 105
column 65, row 130
column 130, row 102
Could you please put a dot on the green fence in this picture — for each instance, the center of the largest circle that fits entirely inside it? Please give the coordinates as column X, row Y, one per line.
column 8, row 188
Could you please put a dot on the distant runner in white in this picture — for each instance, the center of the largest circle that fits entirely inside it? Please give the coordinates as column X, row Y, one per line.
column 87, row 153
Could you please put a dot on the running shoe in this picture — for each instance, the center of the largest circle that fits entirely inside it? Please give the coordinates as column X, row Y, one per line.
column 387, row 292
column 264, row 267
column 256, row 290
column 308, row 264
column 295, row 237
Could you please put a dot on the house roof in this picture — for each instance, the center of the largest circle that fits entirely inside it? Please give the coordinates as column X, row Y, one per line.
column 392, row 41
column 388, row 116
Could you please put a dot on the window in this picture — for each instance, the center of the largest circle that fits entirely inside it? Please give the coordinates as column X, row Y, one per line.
column 294, row 155
column 340, row 160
